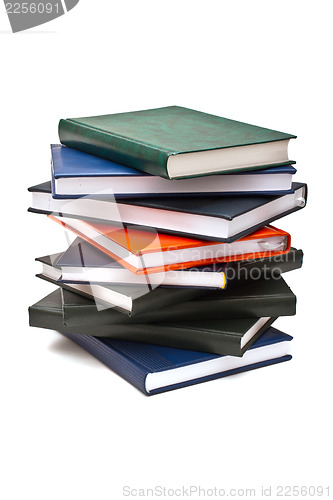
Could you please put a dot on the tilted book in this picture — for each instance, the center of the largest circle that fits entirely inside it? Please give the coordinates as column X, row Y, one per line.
column 145, row 252
column 76, row 174
column 127, row 298
column 233, row 336
column 83, row 262
column 154, row 369
column 255, row 299
column 223, row 218
column 176, row 142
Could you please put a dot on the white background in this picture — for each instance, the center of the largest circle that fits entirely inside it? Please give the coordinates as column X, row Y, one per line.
column 71, row 429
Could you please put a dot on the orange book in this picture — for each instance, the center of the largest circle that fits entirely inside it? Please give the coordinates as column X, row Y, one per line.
column 144, row 252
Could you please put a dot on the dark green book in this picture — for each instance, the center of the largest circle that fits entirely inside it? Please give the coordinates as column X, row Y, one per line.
column 239, row 273
column 271, row 297
column 176, row 142
column 231, row 337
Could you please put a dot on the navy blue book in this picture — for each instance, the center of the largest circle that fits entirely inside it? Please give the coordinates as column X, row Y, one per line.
column 224, row 218
column 75, row 174
column 154, row 369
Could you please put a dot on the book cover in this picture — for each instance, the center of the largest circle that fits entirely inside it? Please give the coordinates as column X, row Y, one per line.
column 76, row 174
column 82, row 262
column 232, row 336
column 144, row 252
column 158, row 140
column 216, row 218
column 235, row 273
column 154, row 369
column 255, row 299
column 129, row 299
column 239, row 273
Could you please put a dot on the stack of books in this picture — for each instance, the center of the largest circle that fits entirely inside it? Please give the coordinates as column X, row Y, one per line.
column 174, row 275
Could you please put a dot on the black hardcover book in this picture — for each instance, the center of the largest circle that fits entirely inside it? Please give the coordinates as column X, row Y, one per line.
column 223, row 218
column 239, row 273
column 232, row 337
column 270, row 297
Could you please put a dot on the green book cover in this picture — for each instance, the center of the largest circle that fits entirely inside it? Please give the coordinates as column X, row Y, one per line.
column 176, row 142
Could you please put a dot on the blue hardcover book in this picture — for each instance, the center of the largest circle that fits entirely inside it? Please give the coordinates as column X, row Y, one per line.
column 83, row 263
column 154, row 369
column 76, row 174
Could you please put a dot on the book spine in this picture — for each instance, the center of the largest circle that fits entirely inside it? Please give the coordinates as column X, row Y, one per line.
column 113, row 147
column 41, row 317
column 114, row 360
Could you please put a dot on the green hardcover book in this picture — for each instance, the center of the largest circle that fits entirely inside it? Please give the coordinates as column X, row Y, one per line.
column 176, row 142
